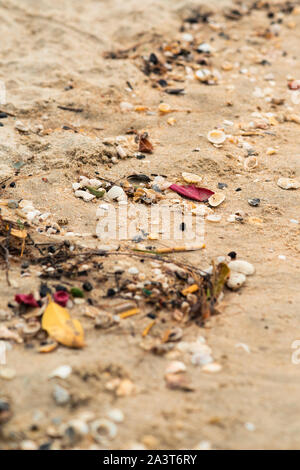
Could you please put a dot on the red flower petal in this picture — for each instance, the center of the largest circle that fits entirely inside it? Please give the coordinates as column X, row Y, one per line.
column 26, row 299
column 61, row 297
column 192, row 192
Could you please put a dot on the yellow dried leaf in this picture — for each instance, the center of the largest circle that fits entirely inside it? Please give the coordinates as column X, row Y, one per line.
column 18, row 233
column 61, row 327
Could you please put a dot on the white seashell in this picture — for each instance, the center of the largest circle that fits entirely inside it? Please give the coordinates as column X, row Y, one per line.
column 213, row 218
column 62, row 372
column 201, row 211
column 175, row 367
column 187, row 37
column 133, row 270
column 203, row 75
column 164, row 108
column 201, row 359
column 205, row 48
column 79, row 427
column 116, row 415
column 216, row 199
column 125, row 106
column 216, row 136
column 288, row 183
column 236, row 280
column 191, row 178
column 21, row 126
column 250, row 163
column 121, row 151
column 212, row 367
column 243, row 346
column 241, row 266
column 76, row 186
column 103, row 429
column 115, row 193
column 85, row 195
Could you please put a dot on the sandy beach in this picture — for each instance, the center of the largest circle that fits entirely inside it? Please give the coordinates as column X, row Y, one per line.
column 68, row 68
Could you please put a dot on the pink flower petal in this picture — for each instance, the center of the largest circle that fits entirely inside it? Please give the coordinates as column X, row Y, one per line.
column 61, row 297
column 26, row 299
column 192, row 192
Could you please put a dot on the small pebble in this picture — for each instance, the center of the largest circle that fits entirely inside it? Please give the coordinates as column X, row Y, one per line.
column 61, row 395
column 254, row 202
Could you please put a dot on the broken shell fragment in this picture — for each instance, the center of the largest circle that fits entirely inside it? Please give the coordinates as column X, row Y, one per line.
column 250, row 163
column 103, row 429
column 288, row 183
column 212, row 367
column 31, row 329
column 191, row 178
column 175, row 367
column 164, row 108
column 213, row 218
column 241, row 266
column 216, row 199
column 236, row 280
column 216, row 136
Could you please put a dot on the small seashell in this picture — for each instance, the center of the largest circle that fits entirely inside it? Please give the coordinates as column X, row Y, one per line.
column 288, row 183
column 254, row 202
column 243, row 346
column 241, row 266
column 20, row 126
column 61, row 372
column 116, row 415
column 201, row 211
column 201, row 359
column 216, row 136
column 216, row 199
column 187, row 37
column 191, row 178
column 28, row 445
column 121, row 151
column 203, row 75
column 103, row 429
column 212, row 367
column 213, row 218
column 236, row 280
column 205, row 48
column 250, row 163
column 125, row 106
column 116, row 193
column 164, row 108
column 31, row 329
column 175, row 367
column 61, row 395
column 77, row 428
column 7, row 373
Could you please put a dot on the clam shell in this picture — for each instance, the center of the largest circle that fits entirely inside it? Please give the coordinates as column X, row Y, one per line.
column 241, row 266
column 288, row 183
column 236, row 280
column 164, row 108
column 191, row 178
column 216, row 199
column 216, row 136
